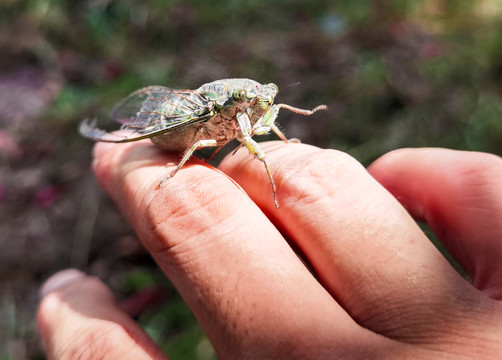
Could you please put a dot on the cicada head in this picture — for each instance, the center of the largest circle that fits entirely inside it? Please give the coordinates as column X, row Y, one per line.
column 267, row 96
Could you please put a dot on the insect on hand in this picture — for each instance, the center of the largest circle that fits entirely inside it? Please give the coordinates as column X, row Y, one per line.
column 187, row 120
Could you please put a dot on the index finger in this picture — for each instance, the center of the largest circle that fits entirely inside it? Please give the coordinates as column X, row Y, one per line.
column 231, row 265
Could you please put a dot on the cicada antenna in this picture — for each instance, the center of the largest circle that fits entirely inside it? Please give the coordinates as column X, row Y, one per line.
column 288, row 86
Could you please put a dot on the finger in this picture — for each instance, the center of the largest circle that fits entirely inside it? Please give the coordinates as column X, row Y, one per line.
column 459, row 194
column 246, row 286
column 79, row 319
column 366, row 249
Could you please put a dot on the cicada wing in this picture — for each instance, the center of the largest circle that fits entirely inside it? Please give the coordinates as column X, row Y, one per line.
column 89, row 129
column 157, row 107
column 126, row 111
column 151, row 111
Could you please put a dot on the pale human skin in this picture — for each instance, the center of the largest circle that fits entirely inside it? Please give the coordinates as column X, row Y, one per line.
column 381, row 289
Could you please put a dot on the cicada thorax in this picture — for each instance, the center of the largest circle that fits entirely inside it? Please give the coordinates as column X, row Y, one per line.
column 222, row 127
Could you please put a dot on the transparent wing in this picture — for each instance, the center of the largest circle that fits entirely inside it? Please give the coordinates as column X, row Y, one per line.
column 151, row 111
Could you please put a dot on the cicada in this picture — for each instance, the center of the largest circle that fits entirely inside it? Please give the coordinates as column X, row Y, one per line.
column 188, row 120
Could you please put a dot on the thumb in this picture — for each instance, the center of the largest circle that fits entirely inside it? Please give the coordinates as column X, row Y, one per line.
column 78, row 318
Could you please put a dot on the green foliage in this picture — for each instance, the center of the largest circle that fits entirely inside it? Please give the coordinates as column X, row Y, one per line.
column 172, row 325
column 393, row 74
column 72, row 99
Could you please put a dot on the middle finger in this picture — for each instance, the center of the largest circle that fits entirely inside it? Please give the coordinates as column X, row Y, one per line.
column 366, row 249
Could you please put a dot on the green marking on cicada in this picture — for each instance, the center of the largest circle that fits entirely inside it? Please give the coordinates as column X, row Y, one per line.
column 188, row 120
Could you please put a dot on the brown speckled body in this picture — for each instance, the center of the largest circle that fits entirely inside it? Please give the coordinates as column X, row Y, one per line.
column 222, row 127
column 176, row 119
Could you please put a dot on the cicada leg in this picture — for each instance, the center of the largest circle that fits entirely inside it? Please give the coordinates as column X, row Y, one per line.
column 279, row 133
column 216, row 151
column 255, row 149
column 237, row 148
column 270, row 178
column 301, row 111
column 198, row 145
column 267, row 121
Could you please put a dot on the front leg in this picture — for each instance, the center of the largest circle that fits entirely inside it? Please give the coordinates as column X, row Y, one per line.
column 255, row 149
column 267, row 121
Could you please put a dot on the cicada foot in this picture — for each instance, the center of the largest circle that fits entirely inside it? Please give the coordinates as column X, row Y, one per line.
column 162, row 182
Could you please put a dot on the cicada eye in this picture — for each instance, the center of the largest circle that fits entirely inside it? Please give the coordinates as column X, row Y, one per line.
column 240, row 95
column 274, row 87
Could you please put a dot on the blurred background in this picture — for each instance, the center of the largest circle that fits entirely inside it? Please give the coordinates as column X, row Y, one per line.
column 394, row 73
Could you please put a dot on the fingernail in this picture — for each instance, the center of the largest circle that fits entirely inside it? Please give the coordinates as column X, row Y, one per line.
column 59, row 280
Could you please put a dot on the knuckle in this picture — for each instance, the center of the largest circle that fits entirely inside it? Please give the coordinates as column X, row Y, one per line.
column 177, row 217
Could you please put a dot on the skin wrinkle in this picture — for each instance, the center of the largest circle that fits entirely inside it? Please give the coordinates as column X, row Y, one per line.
column 418, row 316
column 453, row 336
column 462, row 191
column 252, row 347
column 177, row 250
column 323, row 191
column 309, row 188
column 294, row 177
column 476, row 191
column 298, row 176
column 369, row 235
column 437, row 337
column 309, row 161
column 384, row 320
column 180, row 249
column 177, row 214
column 148, row 194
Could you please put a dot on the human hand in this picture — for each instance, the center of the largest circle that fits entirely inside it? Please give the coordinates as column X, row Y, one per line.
column 380, row 289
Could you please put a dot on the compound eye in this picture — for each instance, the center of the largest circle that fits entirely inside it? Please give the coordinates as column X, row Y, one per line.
column 240, row 95
column 274, row 87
